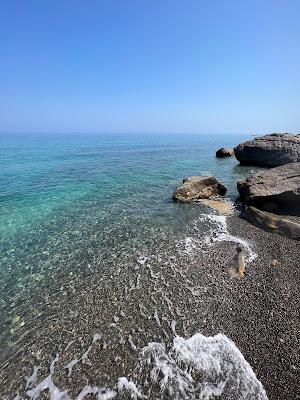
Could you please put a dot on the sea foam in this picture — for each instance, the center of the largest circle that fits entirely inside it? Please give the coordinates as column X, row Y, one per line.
column 198, row 367
column 219, row 233
column 201, row 367
column 215, row 230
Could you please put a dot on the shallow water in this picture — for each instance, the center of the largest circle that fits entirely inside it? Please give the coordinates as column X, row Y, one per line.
column 91, row 242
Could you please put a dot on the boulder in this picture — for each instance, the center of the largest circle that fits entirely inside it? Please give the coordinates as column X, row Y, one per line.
column 276, row 189
column 224, row 152
column 270, row 150
column 272, row 223
column 199, row 187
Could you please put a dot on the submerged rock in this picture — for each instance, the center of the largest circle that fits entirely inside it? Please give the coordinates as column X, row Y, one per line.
column 199, row 187
column 269, row 150
column 220, row 205
column 237, row 265
column 272, row 222
column 276, row 189
column 224, row 152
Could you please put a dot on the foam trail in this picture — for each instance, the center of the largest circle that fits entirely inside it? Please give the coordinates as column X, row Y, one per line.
column 194, row 368
column 142, row 260
column 220, row 234
column 124, row 385
column 32, row 378
column 83, row 358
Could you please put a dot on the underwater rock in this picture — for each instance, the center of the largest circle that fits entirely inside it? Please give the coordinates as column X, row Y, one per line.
column 220, row 205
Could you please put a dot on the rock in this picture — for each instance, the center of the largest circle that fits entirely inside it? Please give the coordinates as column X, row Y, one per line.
column 199, row 187
column 237, row 266
column 269, row 150
column 220, row 205
column 275, row 263
column 276, row 189
column 272, row 223
column 224, row 152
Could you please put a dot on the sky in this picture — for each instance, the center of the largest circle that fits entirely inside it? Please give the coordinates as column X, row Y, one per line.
column 150, row 66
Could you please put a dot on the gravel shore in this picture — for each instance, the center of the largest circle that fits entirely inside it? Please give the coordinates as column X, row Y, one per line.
column 138, row 303
column 266, row 322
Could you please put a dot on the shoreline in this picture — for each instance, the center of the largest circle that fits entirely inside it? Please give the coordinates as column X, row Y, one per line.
column 267, row 311
column 132, row 307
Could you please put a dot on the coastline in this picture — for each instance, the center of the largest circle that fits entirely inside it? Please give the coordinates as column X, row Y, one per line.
column 130, row 308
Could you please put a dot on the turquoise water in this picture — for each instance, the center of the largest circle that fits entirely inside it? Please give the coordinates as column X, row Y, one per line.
column 89, row 205
column 98, row 193
column 67, row 201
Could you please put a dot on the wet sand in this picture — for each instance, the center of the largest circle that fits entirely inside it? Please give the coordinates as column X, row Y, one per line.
column 151, row 299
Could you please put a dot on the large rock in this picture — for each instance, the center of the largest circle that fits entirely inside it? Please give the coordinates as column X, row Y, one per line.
column 270, row 150
column 199, row 187
column 272, row 223
column 224, row 152
column 276, row 189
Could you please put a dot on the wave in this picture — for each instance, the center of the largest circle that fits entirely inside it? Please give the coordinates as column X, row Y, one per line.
column 219, row 233
column 209, row 229
column 198, row 367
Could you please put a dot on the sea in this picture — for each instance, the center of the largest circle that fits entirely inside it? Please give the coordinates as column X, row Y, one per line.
column 101, row 295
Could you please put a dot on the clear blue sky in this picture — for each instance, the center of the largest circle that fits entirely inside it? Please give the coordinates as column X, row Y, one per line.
column 149, row 66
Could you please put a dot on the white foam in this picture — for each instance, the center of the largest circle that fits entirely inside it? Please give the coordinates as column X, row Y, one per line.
column 69, row 344
column 100, row 393
column 47, row 384
column 83, row 358
column 32, row 378
column 142, row 260
column 156, row 317
column 132, row 345
column 71, row 365
column 124, row 385
column 201, row 367
column 219, row 233
column 193, row 368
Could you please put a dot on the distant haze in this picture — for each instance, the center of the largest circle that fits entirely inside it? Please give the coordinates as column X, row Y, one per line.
column 150, row 66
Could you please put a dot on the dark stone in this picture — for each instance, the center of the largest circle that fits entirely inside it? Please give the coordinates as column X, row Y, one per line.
column 270, row 150
column 272, row 223
column 224, row 152
column 276, row 189
column 199, row 187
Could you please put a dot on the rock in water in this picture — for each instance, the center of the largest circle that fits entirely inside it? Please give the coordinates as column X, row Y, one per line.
column 237, row 266
column 224, row 152
column 272, row 223
column 278, row 188
column 220, row 205
column 199, row 187
column 270, row 150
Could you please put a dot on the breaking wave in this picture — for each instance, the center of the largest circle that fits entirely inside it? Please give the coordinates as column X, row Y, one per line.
column 198, row 367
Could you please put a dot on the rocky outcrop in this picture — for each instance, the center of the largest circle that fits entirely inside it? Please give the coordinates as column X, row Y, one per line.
column 276, row 189
column 272, row 223
column 270, row 150
column 199, row 187
column 224, row 152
